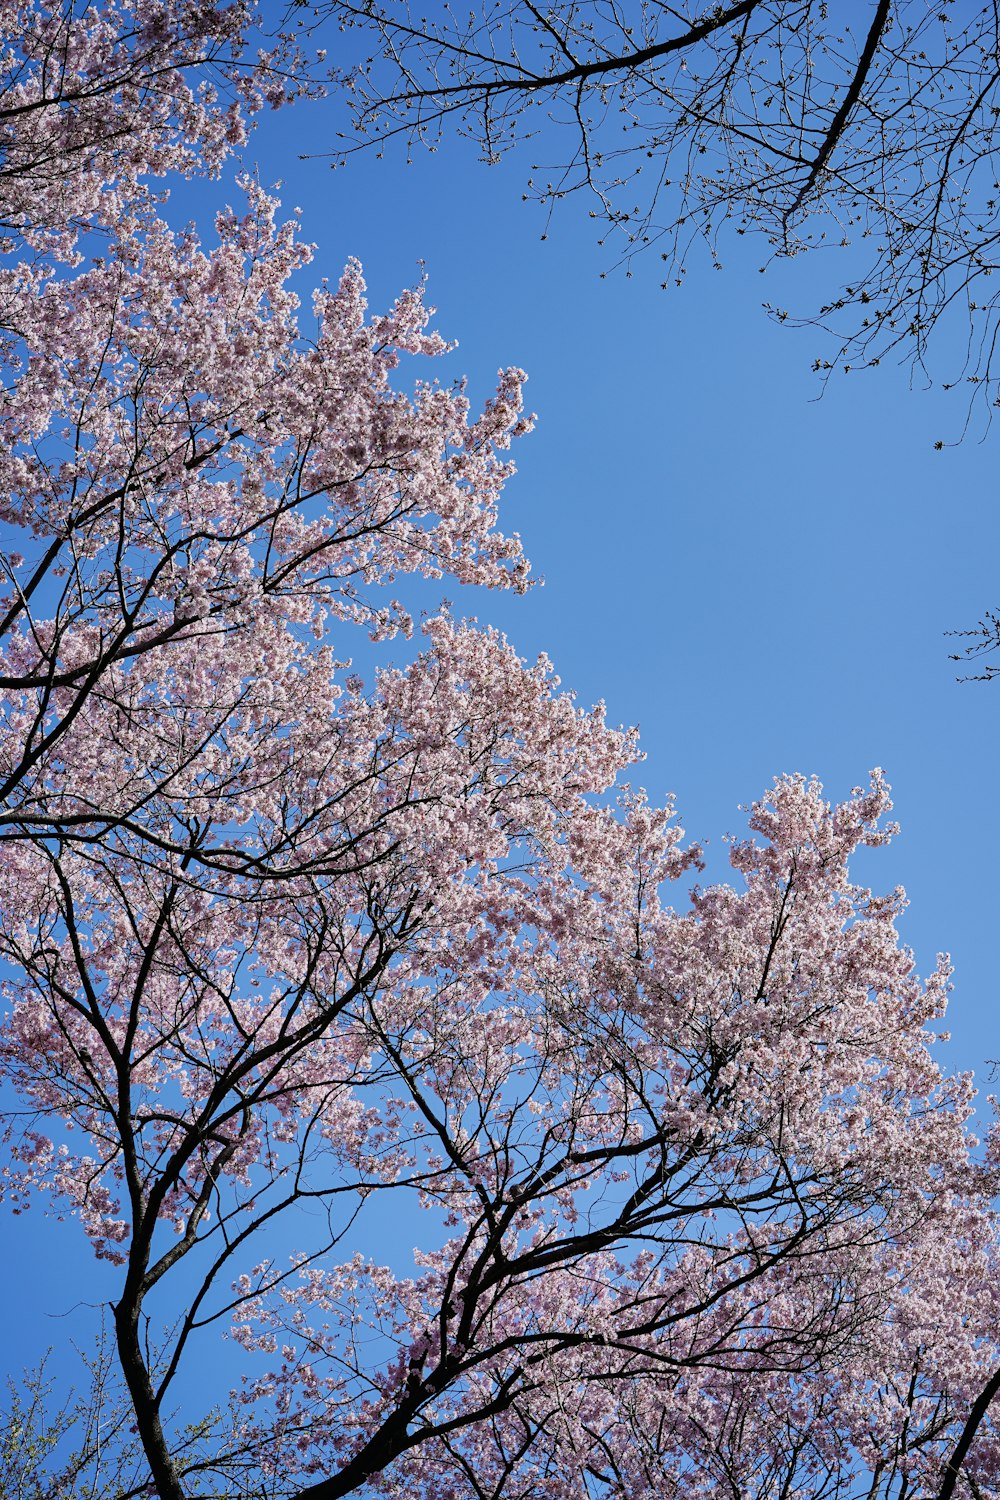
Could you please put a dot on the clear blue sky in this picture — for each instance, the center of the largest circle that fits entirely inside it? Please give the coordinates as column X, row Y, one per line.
column 760, row 579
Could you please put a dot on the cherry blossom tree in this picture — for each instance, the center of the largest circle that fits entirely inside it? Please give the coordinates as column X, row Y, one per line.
column 296, row 963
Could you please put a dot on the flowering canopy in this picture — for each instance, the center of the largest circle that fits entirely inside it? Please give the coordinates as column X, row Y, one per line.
column 695, row 1203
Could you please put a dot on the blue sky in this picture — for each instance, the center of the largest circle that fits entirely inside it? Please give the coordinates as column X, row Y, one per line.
column 759, row 574
column 759, row 578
